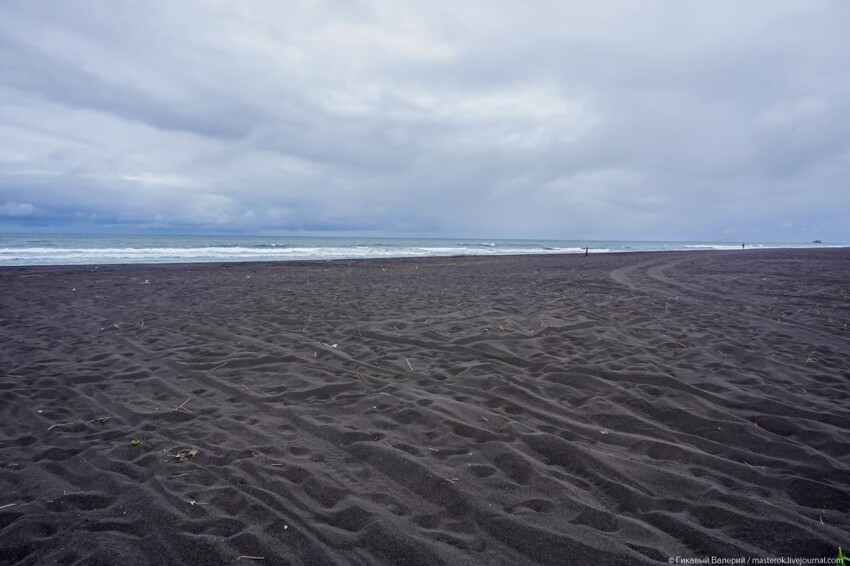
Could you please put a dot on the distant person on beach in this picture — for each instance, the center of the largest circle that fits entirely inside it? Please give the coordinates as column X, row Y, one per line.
column 742, row 245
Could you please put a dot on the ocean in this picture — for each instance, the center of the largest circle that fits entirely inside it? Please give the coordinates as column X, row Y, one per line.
column 64, row 249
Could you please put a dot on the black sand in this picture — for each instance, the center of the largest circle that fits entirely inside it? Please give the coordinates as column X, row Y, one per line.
column 616, row 409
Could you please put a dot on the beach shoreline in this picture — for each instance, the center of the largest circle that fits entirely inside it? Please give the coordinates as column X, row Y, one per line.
column 617, row 408
column 18, row 250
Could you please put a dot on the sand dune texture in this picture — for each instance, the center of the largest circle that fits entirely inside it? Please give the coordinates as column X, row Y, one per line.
column 616, row 409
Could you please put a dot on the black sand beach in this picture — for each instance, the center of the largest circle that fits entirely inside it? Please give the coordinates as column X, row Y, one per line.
column 615, row 409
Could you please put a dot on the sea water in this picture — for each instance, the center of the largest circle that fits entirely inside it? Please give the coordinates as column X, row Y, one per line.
column 65, row 249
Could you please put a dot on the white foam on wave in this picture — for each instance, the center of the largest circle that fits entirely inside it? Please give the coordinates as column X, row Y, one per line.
column 78, row 255
column 75, row 254
column 716, row 246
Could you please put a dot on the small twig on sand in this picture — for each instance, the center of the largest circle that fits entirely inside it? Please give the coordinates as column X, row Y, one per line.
column 408, row 364
column 219, row 366
column 182, row 406
column 178, row 476
column 679, row 343
column 251, row 558
column 98, row 419
column 7, row 505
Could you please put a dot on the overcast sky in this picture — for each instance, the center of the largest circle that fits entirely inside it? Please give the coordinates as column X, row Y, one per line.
column 674, row 119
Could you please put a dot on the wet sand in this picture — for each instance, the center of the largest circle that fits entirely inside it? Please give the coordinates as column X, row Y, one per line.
column 615, row 409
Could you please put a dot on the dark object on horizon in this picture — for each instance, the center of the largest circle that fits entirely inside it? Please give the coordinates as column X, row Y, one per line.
column 817, row 242
column 742, row 245
column 585, row 251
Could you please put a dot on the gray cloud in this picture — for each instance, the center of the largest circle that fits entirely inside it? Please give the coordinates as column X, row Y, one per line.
column 669, row 120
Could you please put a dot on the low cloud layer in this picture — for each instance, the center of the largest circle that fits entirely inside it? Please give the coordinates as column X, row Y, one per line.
column 638, row 120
